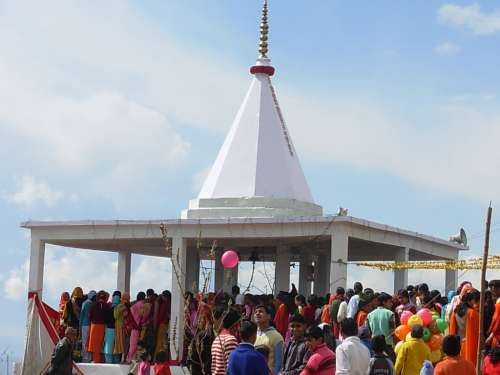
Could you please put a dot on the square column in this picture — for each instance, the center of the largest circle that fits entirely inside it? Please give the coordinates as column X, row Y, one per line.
column 305, row 274
column 123, row 273
column 339, row 256
column 193, row 270
column 230, row 279
column 179, row 263
column 282, row 269
column 322, row 275
column 401, row 276
column 37, row 259
column 450, row 280
column 218, row 272
column 451, row 277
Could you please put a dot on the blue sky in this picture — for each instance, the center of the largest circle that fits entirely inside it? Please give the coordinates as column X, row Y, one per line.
column 116, row 110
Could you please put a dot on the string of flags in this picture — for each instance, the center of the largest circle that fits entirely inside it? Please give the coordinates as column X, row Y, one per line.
column 455, row 264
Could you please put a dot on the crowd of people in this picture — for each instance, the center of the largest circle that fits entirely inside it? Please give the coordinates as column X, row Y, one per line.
column 355, row 331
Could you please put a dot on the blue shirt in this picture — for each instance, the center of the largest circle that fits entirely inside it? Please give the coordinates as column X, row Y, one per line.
column 245, row 360
column 85, row 313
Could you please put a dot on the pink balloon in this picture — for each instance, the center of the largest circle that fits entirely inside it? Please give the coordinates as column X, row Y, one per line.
column 426, row 316
column 230, row 259
column 405, row 315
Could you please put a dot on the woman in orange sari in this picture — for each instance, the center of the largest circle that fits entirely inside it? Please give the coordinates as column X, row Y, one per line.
column 464, row 322
column 99, row 312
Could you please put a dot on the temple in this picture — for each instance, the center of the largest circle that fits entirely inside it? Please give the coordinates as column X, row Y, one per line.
column 256, row 200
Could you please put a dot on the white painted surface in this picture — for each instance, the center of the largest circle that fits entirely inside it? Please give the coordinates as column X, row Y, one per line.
column 179, row 268
column 123, row 273
column 249, row 207
column 339, row 257
column 257, row 157
column 37, row 258
column 234, row 227
column 106, row 369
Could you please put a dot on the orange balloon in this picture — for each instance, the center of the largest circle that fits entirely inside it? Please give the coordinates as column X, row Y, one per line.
column 402, row 331
column 435, row 342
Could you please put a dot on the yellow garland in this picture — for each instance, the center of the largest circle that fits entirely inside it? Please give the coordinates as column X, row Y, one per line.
column 458, row 264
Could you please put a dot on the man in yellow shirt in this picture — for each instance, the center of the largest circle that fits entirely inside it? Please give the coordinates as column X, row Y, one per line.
column 413, row 353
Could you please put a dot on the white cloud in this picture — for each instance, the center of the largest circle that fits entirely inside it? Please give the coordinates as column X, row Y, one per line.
column 447, row 49
column 470, row 17
column 433, row 156
column 31, row 191
column 67, row 268
column 15, row 285
column 151, row 272
column 105, row 109
column 101, row 107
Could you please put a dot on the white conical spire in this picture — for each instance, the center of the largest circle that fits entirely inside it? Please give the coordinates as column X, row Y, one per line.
column 258, row 158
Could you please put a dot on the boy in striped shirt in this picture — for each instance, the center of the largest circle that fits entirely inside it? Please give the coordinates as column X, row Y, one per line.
column 225, row 342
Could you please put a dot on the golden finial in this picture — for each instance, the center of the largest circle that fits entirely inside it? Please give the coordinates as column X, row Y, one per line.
column 264, row 31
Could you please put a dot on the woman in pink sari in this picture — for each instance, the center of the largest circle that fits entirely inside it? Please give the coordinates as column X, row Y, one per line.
column 140, row 313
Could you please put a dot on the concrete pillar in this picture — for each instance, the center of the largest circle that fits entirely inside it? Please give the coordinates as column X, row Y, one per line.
column 123, row 274
column 451, row 280
column 322, row 273
column 230, row 279
column 401, row 276
column 218, row 272
column 179, row 263
column 451, row 277
column 282, row 269
column 193, row 270
column 305, row 274
column 37, row 259
column 339, row 252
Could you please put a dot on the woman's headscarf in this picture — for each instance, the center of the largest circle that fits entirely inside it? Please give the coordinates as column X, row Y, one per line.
column 77, row 293
column 63, row 300
column 125, row 297
column 102, row 297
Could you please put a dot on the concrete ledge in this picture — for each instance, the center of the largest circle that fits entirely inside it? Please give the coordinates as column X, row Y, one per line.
column 255, row 207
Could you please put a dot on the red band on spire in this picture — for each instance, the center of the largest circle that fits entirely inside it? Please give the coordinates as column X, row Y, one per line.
column 269, row 70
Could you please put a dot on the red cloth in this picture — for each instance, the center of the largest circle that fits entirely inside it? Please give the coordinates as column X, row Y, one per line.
column 321, row 362
column 489, row 368
column 281, row 319
column 495, row 326
column 309, row 312
column 162, row 369
column 96, row 340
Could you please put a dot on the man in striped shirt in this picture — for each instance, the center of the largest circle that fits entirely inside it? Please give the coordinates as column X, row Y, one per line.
column 225, row 342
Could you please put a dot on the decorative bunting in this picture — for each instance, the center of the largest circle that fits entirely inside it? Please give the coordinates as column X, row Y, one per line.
column 458, row 264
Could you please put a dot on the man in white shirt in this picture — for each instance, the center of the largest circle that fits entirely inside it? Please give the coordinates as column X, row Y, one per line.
column 353, row 305
column 342, row 313
column 352, row 357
